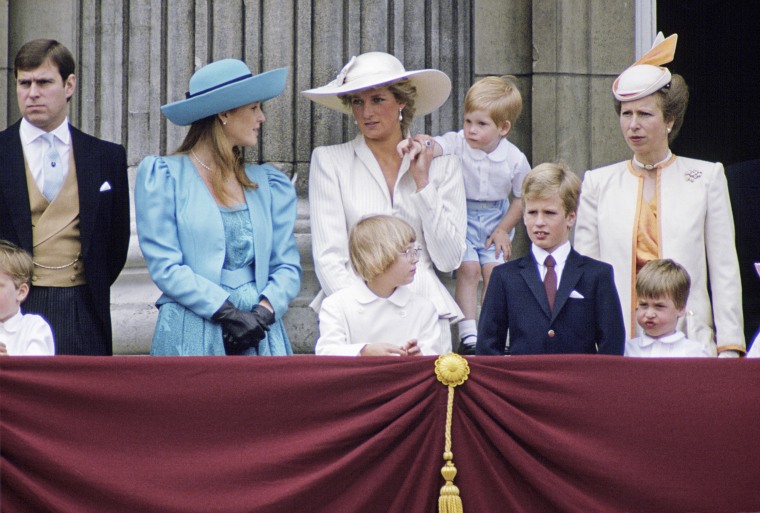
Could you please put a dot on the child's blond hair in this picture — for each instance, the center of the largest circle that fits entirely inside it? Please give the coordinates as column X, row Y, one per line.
column 550, row 179
column 664, row 277
column 16, row 263
column 498, row 96
column 375, row 243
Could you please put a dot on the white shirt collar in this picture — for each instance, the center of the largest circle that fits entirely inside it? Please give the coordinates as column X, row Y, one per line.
column 669, row 339
column 400, row 296
column 30, row 133
column 499, row 154
column 13, row 324
column 560, row 254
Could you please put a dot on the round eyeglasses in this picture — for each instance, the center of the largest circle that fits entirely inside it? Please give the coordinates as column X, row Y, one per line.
column 411, row 253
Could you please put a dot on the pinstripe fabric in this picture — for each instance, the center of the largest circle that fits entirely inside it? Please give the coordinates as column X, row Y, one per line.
column 71, row 315
column 346, row 184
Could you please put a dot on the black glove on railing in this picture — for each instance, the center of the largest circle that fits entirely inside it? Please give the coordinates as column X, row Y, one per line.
column 241, row 329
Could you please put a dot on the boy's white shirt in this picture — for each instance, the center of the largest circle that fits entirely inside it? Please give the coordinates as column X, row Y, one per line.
column 674, row 345
column 27, row 335
column 354, row 317
column 487, row 176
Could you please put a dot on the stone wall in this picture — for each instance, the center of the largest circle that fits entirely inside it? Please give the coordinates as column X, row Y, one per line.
column 136, row 55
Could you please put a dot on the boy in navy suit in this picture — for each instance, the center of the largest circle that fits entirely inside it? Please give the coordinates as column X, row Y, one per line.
column 553, row 300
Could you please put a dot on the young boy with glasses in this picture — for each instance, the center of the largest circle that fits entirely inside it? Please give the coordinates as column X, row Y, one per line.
column 380, row 316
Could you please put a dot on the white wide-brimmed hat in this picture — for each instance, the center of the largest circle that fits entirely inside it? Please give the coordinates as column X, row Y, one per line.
column 224, row 85
column 647, row 74
column 375, row 69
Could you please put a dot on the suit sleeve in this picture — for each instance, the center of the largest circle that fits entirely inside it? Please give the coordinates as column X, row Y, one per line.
column 723, row 266
column 120, row 232
column 442, row 208
column 429, row 338
column 333, row 330
column 610, row 331
column 494, row 317
column 284, row 281
column 586, row 238
column 329, row 234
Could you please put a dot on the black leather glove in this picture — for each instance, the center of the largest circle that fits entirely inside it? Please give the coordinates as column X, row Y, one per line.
column 241, row 329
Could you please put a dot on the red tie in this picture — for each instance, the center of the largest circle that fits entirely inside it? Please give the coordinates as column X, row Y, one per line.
column 550, row 281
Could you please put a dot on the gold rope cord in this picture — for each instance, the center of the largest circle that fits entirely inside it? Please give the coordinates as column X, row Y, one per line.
column 452, row 370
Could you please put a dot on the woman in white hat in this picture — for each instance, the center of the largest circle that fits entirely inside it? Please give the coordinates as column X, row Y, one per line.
column 216, row 233
column 659, row 205
column 366, row 176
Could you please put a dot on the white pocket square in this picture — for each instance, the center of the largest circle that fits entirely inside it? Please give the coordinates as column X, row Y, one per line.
column 105, row 187
column 576, row 295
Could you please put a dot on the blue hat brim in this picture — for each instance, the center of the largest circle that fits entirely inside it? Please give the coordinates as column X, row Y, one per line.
column 257, row 88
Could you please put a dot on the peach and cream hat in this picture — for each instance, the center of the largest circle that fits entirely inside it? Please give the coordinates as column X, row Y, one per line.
column 647, row 74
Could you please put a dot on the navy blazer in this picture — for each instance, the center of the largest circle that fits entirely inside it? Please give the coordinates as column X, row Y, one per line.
column 515, row 303
column 103, row 214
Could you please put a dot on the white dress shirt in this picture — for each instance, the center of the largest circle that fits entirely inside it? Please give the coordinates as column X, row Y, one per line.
column 674, row 345
column 35, row 147
column 354, row 317
column 487, row 176
column 27, row 335
column 560, row 257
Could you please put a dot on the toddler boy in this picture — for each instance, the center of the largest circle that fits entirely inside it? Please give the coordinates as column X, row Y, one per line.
column 662, row 289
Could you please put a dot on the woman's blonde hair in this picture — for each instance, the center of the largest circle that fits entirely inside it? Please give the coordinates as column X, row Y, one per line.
column 375, row 243
column 227, row 160
column 16, row 263
column 404, row 91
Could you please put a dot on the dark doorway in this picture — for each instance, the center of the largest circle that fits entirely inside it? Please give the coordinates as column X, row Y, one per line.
column 718, row 54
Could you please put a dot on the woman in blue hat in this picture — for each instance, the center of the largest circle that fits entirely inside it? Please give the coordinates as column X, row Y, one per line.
column 217, row 233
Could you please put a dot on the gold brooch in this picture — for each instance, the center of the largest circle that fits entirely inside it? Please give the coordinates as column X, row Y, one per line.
column 692, row 174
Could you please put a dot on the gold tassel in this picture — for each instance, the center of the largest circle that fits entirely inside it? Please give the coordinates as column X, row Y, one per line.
column 451, row 370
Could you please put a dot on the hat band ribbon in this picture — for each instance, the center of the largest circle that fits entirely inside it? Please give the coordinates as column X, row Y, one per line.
column 189, row 95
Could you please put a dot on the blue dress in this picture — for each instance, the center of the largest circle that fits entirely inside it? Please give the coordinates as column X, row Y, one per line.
column 180, row 332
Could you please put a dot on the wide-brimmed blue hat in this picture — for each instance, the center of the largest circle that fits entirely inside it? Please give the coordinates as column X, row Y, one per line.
column 224, row 85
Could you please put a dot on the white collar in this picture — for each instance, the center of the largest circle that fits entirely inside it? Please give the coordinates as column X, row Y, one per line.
column 30, row 133
column 13, row 324
column 400, row 297
column 669, row 339
column 499, row 154
column 560, row 253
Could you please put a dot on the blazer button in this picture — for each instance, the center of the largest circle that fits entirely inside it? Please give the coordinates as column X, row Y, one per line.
column 73, row 277
column 551, row 333
column 34, row 278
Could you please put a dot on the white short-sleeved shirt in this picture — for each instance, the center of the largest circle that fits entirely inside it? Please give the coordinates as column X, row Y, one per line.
column 487, row 176
column 354, row 317
column 675, row 345
column 27, row 335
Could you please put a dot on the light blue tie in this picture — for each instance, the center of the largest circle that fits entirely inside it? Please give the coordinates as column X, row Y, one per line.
column 51, row 166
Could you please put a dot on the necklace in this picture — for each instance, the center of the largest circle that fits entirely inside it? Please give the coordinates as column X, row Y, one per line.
column 199, row 161
column 648, row 167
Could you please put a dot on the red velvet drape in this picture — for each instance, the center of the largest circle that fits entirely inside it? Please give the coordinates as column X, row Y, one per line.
column 320, row 434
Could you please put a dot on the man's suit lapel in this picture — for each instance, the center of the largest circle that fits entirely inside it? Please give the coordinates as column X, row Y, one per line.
column 571, row 274
column 14, row 187
column 529, row 272
column 87, row 161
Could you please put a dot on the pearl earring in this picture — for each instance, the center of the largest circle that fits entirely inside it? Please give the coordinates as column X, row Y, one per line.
column 669, row 130
column 400, row 115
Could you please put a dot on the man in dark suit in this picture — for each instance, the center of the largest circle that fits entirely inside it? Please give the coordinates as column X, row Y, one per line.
column 554, row 300
column 64, row 197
